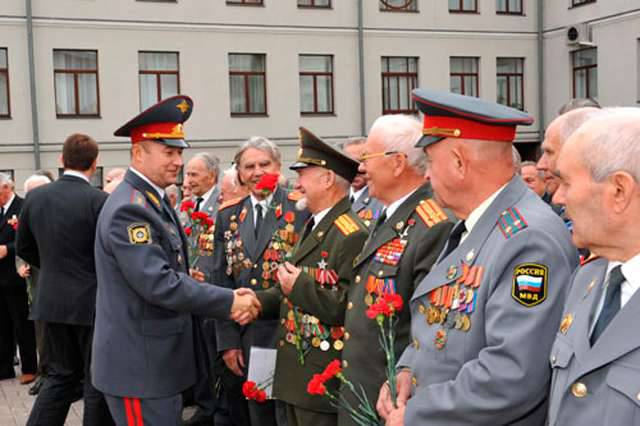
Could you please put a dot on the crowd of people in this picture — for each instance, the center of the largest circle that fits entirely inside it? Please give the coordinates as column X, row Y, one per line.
column 422, row 275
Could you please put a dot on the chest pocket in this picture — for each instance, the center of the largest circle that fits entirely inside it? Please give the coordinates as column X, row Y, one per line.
column 561, row 353
column 626, row 380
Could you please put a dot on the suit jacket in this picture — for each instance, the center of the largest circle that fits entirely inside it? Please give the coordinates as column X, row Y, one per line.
column 594, row 383
column 241, row 260
column 8, row 274
column 367, row 208
column 143, row 344
column 57, row 234
column 483, row 320
column 317, row 303
column 422, row 227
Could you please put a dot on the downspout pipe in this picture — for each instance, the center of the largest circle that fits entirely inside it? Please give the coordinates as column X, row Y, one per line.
column 541, row 91
column 363, row 123
column 32, row 85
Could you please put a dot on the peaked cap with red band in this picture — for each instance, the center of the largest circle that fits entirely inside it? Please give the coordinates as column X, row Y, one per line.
column 160, row 123
column 449, row 115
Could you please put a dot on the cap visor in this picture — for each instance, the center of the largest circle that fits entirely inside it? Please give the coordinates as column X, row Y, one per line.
column 298, row 165
column 427, row 140
column 174, row 143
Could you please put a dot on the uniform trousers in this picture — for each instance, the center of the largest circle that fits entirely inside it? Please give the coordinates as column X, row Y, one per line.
column 69, row 349
column 297, row 416
column 146, row 411
column 18, row 329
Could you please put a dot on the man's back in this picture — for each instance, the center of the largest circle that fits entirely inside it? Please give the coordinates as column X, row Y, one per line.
column 57, row 233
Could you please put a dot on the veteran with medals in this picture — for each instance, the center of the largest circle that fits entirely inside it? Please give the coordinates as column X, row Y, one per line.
column 483, row 320
column 403, row 245
column 254, row 235
column 311, row 297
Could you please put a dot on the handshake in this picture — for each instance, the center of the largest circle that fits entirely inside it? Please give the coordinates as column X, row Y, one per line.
column 246, row 306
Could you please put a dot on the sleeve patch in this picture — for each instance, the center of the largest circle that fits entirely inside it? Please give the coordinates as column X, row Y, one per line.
column 430, row 212
column 139, row 233
column 138, row 198
column 346, row 224
column 511, row 222
column 529, row 286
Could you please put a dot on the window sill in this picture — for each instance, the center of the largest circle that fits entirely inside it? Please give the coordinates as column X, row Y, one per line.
column 465, row 12
column 246, row 4
column 399, row 11
column 511, row 13
column 5, row 117
column 316, row 7
column 76, row 116
column 318, row 114
column 249, row 114
column 573, row 6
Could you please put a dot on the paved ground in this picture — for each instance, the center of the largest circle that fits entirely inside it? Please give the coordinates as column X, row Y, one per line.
column 16, row 403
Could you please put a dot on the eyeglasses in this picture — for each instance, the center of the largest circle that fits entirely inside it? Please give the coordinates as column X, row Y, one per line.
column 364, row 157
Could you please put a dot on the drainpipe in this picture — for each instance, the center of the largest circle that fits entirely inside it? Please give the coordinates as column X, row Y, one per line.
column 541, row 91
column 32, row 86
column 363, row 124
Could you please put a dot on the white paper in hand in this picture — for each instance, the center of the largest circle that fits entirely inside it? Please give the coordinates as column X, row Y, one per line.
column 262, row 367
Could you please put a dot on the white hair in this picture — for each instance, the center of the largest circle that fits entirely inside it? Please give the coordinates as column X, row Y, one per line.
column 572, row 120
column 172, row 189
column 211, row 162
column 612, row 143
column 5, row 179
column 232, row 173
column 260, row 143
column 34, row 181
column 400, row 133
column 517, row 159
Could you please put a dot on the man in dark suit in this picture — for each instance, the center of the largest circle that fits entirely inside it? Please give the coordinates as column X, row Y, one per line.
column 56, row 235
column 15, row 327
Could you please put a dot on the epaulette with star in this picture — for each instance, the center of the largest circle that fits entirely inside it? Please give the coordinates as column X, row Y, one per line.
column 511, row 222
column 295, row 196
column 430, row 212
column 346, row 224
column 229, row 203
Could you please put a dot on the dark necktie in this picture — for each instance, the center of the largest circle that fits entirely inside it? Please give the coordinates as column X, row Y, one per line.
column 259, row 219
column 166, row 206
column 1, row 212
column 351, row 199
column 198, row 202
column 308, row 228
column 611, row 303
column 381, row 219
column 454, row 238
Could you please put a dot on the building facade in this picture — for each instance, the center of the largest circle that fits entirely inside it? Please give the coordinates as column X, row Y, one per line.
column 265, row 67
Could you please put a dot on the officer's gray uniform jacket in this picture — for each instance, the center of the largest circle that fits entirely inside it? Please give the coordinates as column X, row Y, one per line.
column 367, row 208
column 597, row 384
column 511, row 273
column 143, row 342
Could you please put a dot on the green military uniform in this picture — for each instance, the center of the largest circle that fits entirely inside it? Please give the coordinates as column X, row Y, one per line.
column 395, row 258
column 311, row 332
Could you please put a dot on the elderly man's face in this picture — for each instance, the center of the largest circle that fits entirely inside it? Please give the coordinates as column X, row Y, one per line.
column 254, row 163
column 378, row 170
column 440, row 172
column 550, row 151
column 312, row 183
column 581, row 196
column 199, row 178
column 5, row 193
column 532, row 179
column 355, row 152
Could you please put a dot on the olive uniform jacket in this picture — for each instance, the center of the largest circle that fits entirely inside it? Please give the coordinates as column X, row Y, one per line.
column 395, row 258
column 597, row 384
column 484, row 319
column 312, row 317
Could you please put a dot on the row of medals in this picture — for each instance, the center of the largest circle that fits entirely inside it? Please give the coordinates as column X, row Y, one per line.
column 318, row 341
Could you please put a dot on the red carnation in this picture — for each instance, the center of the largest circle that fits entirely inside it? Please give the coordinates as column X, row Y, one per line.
column 289, row 216
column 268, row 182
column 393, row 300
column 261, row 396
column 332, row 370
column 187, row 205
column 249, row 389
column 199, row 216
column 316, row 385
column 187, row 231
column 379, row 308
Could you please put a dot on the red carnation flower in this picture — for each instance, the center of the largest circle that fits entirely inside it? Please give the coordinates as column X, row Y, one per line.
column 316, row 385
column 289, row 216
column 187, row 205
column 332, row 370
column 394, row 300
column 249, row 389
column 199, row 216
column 268, row 182
column 261, row 396
column 187, row 231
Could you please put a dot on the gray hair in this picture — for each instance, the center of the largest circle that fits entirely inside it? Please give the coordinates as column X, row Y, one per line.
column 401, row 133
column 342, row 183
column 576, row 103
column 232, row 172
column 531, row 164
column 211, row 162
column 571, row 121
column 355, row 141
column 172, row 189
column 36, row 180
column 517, row 159
column 612, row 144
column 5, row 179
column 261, row 143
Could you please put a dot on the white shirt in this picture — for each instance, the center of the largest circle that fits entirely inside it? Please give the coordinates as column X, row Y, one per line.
column 319, row 216
column 8, row 203
column 356, row 194
column 391, row 208
column 77, row 174
column 205, row 197
column 264, row 203
column 477, row 213
column 159, row 190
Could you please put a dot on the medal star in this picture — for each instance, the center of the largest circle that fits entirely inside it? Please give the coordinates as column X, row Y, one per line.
column 322, row 264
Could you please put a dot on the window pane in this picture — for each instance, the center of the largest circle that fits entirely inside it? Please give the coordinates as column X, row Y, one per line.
column 469, row 4
column 168, row 85
column 324, row 93
column 516, row 95
column 404, row 94
column 4, row 94
column 65, row 98
column 238, row 94
column 88, row 93
column 501, row 5
column 148, row 90
column 3, row 58
column 455, row 84
column 507, row 65
column 454, row 4
column 580, row 83
column 70, row 59
column 398, row 65
column 515, row 6
column 501, row 90
column 470, row 86
column 585, row 57
column 393, row 93
column 306, row 93
column 241, row 62
column 309, row 63
column 158, row 61
column 593, row 83
column 256, row 88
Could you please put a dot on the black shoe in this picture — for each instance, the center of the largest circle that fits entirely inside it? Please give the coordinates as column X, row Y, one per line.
column 33, row 390
column 199, row 418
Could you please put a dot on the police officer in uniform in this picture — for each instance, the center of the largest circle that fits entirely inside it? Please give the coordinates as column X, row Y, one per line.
column 399, row 252
column 484, row 318
column 596, row 354
column 253, row 236
column 143, row 353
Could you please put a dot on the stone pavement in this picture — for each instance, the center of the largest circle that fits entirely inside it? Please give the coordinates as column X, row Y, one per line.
column 16, row 403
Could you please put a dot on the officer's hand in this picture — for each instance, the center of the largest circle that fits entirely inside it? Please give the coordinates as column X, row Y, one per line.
column 24, row 270
column 396, row 418
column 197, row 275
column 287, row 275
column 403, row 386
column 246, row 307
column 3, row 252
column 234, row 360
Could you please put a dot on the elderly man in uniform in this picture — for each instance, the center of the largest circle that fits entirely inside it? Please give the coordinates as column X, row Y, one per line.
column 483, row 319
column 367, row 207
column 314, row 283
column 408, row 237
column 595, row 358
column 254, row 235
column 143, row 346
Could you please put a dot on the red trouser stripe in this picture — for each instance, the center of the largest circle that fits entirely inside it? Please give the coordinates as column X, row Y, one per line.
column 137, row 409
column 129, row 412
